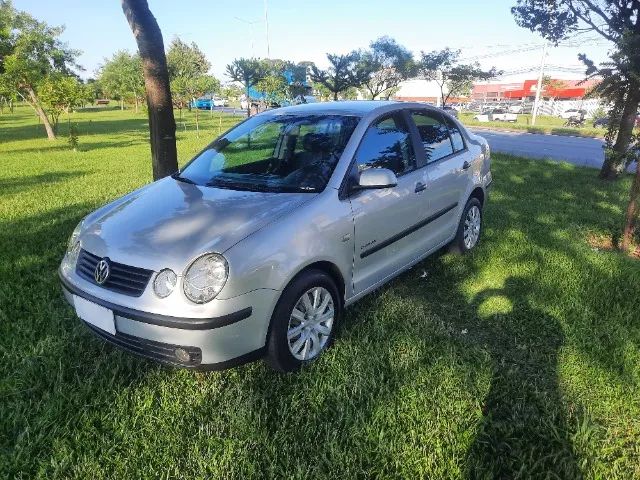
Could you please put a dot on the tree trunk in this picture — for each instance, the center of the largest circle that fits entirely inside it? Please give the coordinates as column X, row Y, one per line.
column 613, row 167
column 122, row 104
column 248, row 102
column 633, row 208
column 335, row 96
column 162, row 124
column 41, row 114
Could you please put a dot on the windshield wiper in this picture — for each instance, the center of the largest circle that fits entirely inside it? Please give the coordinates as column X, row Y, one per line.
column 177, row 176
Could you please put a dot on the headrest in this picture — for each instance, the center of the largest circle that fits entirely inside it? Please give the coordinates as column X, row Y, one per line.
column 316, row 142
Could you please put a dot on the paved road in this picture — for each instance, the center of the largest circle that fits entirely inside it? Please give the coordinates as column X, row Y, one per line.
column 577, row 150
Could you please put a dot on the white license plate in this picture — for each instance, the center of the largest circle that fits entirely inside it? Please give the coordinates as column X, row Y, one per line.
column 96, row 315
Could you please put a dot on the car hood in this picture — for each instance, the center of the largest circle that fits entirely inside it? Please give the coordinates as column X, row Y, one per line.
column 169, row 223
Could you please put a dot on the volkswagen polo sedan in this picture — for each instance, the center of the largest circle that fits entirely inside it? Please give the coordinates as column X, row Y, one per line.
column 259, row 243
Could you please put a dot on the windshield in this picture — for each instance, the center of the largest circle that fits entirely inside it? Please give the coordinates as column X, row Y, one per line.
column 274, row 153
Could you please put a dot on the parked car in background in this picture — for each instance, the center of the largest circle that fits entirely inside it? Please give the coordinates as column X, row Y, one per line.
column 602, row 122
column 450, row 110
column 496, row 115
column 258, row 244
column 205, row 103
column 515, row 108
column 573, row 113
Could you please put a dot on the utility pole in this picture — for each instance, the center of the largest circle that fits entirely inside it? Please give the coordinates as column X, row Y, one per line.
column 536, row 103
column 266, row 24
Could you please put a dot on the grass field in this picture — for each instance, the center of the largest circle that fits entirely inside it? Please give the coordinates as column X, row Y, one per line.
column 544, row 124
column 520, row 360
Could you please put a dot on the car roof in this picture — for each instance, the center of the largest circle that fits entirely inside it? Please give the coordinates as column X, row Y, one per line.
column 348, row 107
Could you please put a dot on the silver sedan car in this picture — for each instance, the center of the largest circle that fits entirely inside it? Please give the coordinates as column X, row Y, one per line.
column 257, row 245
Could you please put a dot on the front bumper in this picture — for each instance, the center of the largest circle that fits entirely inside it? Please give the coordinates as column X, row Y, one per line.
column 212, row 343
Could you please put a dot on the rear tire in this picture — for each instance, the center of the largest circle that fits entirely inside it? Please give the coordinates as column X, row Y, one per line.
column 470, row 228
column 302, row 329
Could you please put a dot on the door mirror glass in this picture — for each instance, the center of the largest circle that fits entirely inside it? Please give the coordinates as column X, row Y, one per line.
column 374, row 178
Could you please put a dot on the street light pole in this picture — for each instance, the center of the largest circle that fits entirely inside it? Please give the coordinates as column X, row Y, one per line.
column 251, row 24
column 266, row 24
column 536, row 103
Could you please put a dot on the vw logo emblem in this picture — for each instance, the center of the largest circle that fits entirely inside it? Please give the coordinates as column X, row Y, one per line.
column 101, row 273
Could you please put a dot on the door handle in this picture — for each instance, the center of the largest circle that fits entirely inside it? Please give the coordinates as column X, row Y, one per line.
column 466, row 165
column 420, row 187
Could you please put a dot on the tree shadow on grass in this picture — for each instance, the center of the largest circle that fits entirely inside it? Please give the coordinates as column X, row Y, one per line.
column 85, row 127
column 53, row 374
column 11, row 185
column 404, row 393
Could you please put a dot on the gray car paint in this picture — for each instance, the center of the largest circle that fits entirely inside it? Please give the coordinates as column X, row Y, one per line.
column 268, row 238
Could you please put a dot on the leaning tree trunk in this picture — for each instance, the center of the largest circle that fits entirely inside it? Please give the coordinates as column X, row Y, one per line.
column 41, row 113
column 248, row 102
column 335, row 96
column 613, row 165
column 162, row 124
column 631, row 217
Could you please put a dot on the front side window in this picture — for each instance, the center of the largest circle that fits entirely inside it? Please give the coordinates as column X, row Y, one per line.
column 387, row 144
column 434, row 136
column 274, row 153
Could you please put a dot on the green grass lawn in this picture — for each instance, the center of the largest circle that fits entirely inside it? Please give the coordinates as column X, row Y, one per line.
column 520, row 360
column 544, row 124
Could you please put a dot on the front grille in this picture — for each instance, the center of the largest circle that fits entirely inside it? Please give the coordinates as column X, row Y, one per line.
column 122, row 278
column 161, row 352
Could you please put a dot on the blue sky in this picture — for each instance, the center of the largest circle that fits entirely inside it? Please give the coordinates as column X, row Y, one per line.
column 307, row 29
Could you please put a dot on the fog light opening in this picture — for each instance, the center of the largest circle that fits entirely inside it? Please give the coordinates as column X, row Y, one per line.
column 182, row 355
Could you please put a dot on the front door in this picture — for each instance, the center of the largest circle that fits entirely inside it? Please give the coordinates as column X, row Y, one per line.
column 385, row 219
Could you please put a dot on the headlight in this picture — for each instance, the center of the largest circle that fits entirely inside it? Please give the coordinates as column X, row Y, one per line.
column 164, row 283
column 74, row 236
column 70, row 259
column 205, row 278
column 73, row 250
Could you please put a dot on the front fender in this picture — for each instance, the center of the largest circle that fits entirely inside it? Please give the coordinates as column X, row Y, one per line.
column 321, row 230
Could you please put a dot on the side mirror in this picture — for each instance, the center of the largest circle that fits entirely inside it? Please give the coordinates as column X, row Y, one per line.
column 375, row 178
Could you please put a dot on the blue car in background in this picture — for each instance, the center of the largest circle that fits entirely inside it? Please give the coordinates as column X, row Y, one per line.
column 204, row 103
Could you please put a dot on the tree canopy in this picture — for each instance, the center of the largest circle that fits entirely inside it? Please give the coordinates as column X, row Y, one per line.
column 343, row 73
column 248, row 72
column 121, row 77
column 454, row 78
column 188, row 73
column 385, row 65
column 30, row 52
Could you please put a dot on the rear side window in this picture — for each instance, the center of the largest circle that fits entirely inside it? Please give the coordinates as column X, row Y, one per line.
column 434, row 136
column 387, row 144
column 456, row 136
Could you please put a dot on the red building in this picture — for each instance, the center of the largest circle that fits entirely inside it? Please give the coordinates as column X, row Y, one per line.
column 558, row 89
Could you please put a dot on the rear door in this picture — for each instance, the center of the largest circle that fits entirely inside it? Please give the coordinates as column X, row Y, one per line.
column 448, row 163
column 384, row 220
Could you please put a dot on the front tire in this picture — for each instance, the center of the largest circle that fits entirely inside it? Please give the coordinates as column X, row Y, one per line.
column 469, row 229
column 304, row 321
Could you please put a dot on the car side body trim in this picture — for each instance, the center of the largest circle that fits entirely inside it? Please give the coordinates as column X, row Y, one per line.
column 408, row 231
column 161, row 320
